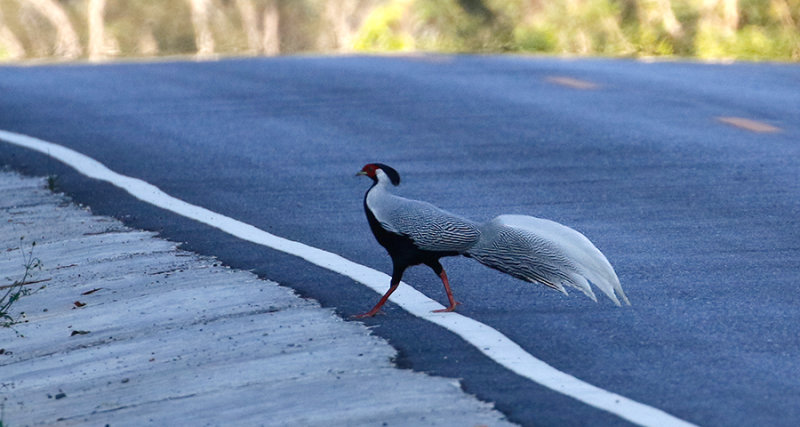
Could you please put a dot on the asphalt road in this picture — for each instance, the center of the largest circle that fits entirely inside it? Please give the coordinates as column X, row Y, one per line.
column 698, row 216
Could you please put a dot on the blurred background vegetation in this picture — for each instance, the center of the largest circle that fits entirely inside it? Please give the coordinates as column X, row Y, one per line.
column 108, row 29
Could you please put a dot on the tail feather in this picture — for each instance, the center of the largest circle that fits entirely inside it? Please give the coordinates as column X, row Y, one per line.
column 544, row 251
column 583, row 285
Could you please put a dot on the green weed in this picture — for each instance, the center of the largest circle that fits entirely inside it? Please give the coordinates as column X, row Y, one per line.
column 11, row 293
column 52, row 185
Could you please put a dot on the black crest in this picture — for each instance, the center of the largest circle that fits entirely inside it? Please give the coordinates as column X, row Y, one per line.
column 390, row 172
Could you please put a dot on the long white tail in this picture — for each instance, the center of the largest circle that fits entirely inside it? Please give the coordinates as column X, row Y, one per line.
column 546, row 252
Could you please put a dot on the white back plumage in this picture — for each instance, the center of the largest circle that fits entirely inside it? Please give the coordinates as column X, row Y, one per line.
column 429, row 227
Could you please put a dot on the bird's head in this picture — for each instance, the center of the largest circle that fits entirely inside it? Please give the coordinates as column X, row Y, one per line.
column 379, row 172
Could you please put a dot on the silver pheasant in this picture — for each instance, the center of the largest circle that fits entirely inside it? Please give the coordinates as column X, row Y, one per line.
column 531, row 249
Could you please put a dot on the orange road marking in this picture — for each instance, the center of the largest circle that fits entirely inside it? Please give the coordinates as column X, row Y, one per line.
column 748, row 124
column 571, row 82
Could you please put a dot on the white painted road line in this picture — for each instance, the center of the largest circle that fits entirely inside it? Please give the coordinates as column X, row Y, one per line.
column 487, row 340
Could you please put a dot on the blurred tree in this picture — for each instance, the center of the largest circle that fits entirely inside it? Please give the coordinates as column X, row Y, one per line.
column 386, row 28
column 97, row 29
column 657, row 29
column 272, row 33
column 721, row 15
column 576, row 27
column 477, row 8
column 10, row 46
column 436, row 25
column 203, row 38
column 247, row 11
column 101, row 43
column 659, row 13
column 67, row 44
column 788, row 14
column 341, row 22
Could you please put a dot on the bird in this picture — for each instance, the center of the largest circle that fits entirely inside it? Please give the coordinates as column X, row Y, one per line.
column 532, row 249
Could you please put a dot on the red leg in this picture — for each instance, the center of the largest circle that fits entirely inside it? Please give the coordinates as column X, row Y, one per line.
column 380, row 303
column 453, row 302
column 397, row 275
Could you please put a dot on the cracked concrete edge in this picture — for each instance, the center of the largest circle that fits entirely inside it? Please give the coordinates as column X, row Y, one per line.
column 123, row 328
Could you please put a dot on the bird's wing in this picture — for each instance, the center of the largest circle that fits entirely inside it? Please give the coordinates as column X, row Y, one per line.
column 429, row 227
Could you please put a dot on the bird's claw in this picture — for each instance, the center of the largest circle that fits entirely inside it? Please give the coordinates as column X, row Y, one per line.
column 365, row 315
column 448, row 309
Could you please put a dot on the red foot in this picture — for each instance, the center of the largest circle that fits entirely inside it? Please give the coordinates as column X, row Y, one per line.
column 363, row 315
column 448, row 309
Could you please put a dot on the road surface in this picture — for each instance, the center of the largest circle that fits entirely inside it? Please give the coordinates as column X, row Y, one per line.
column 684, row 174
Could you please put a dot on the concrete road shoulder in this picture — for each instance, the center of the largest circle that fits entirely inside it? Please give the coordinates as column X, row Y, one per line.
column 122, row 328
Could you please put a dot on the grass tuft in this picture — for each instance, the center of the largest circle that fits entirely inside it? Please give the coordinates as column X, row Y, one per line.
column 52, row 185
column 11, row 293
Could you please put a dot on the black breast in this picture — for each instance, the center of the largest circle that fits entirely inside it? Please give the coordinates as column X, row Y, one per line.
column 400, row 247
